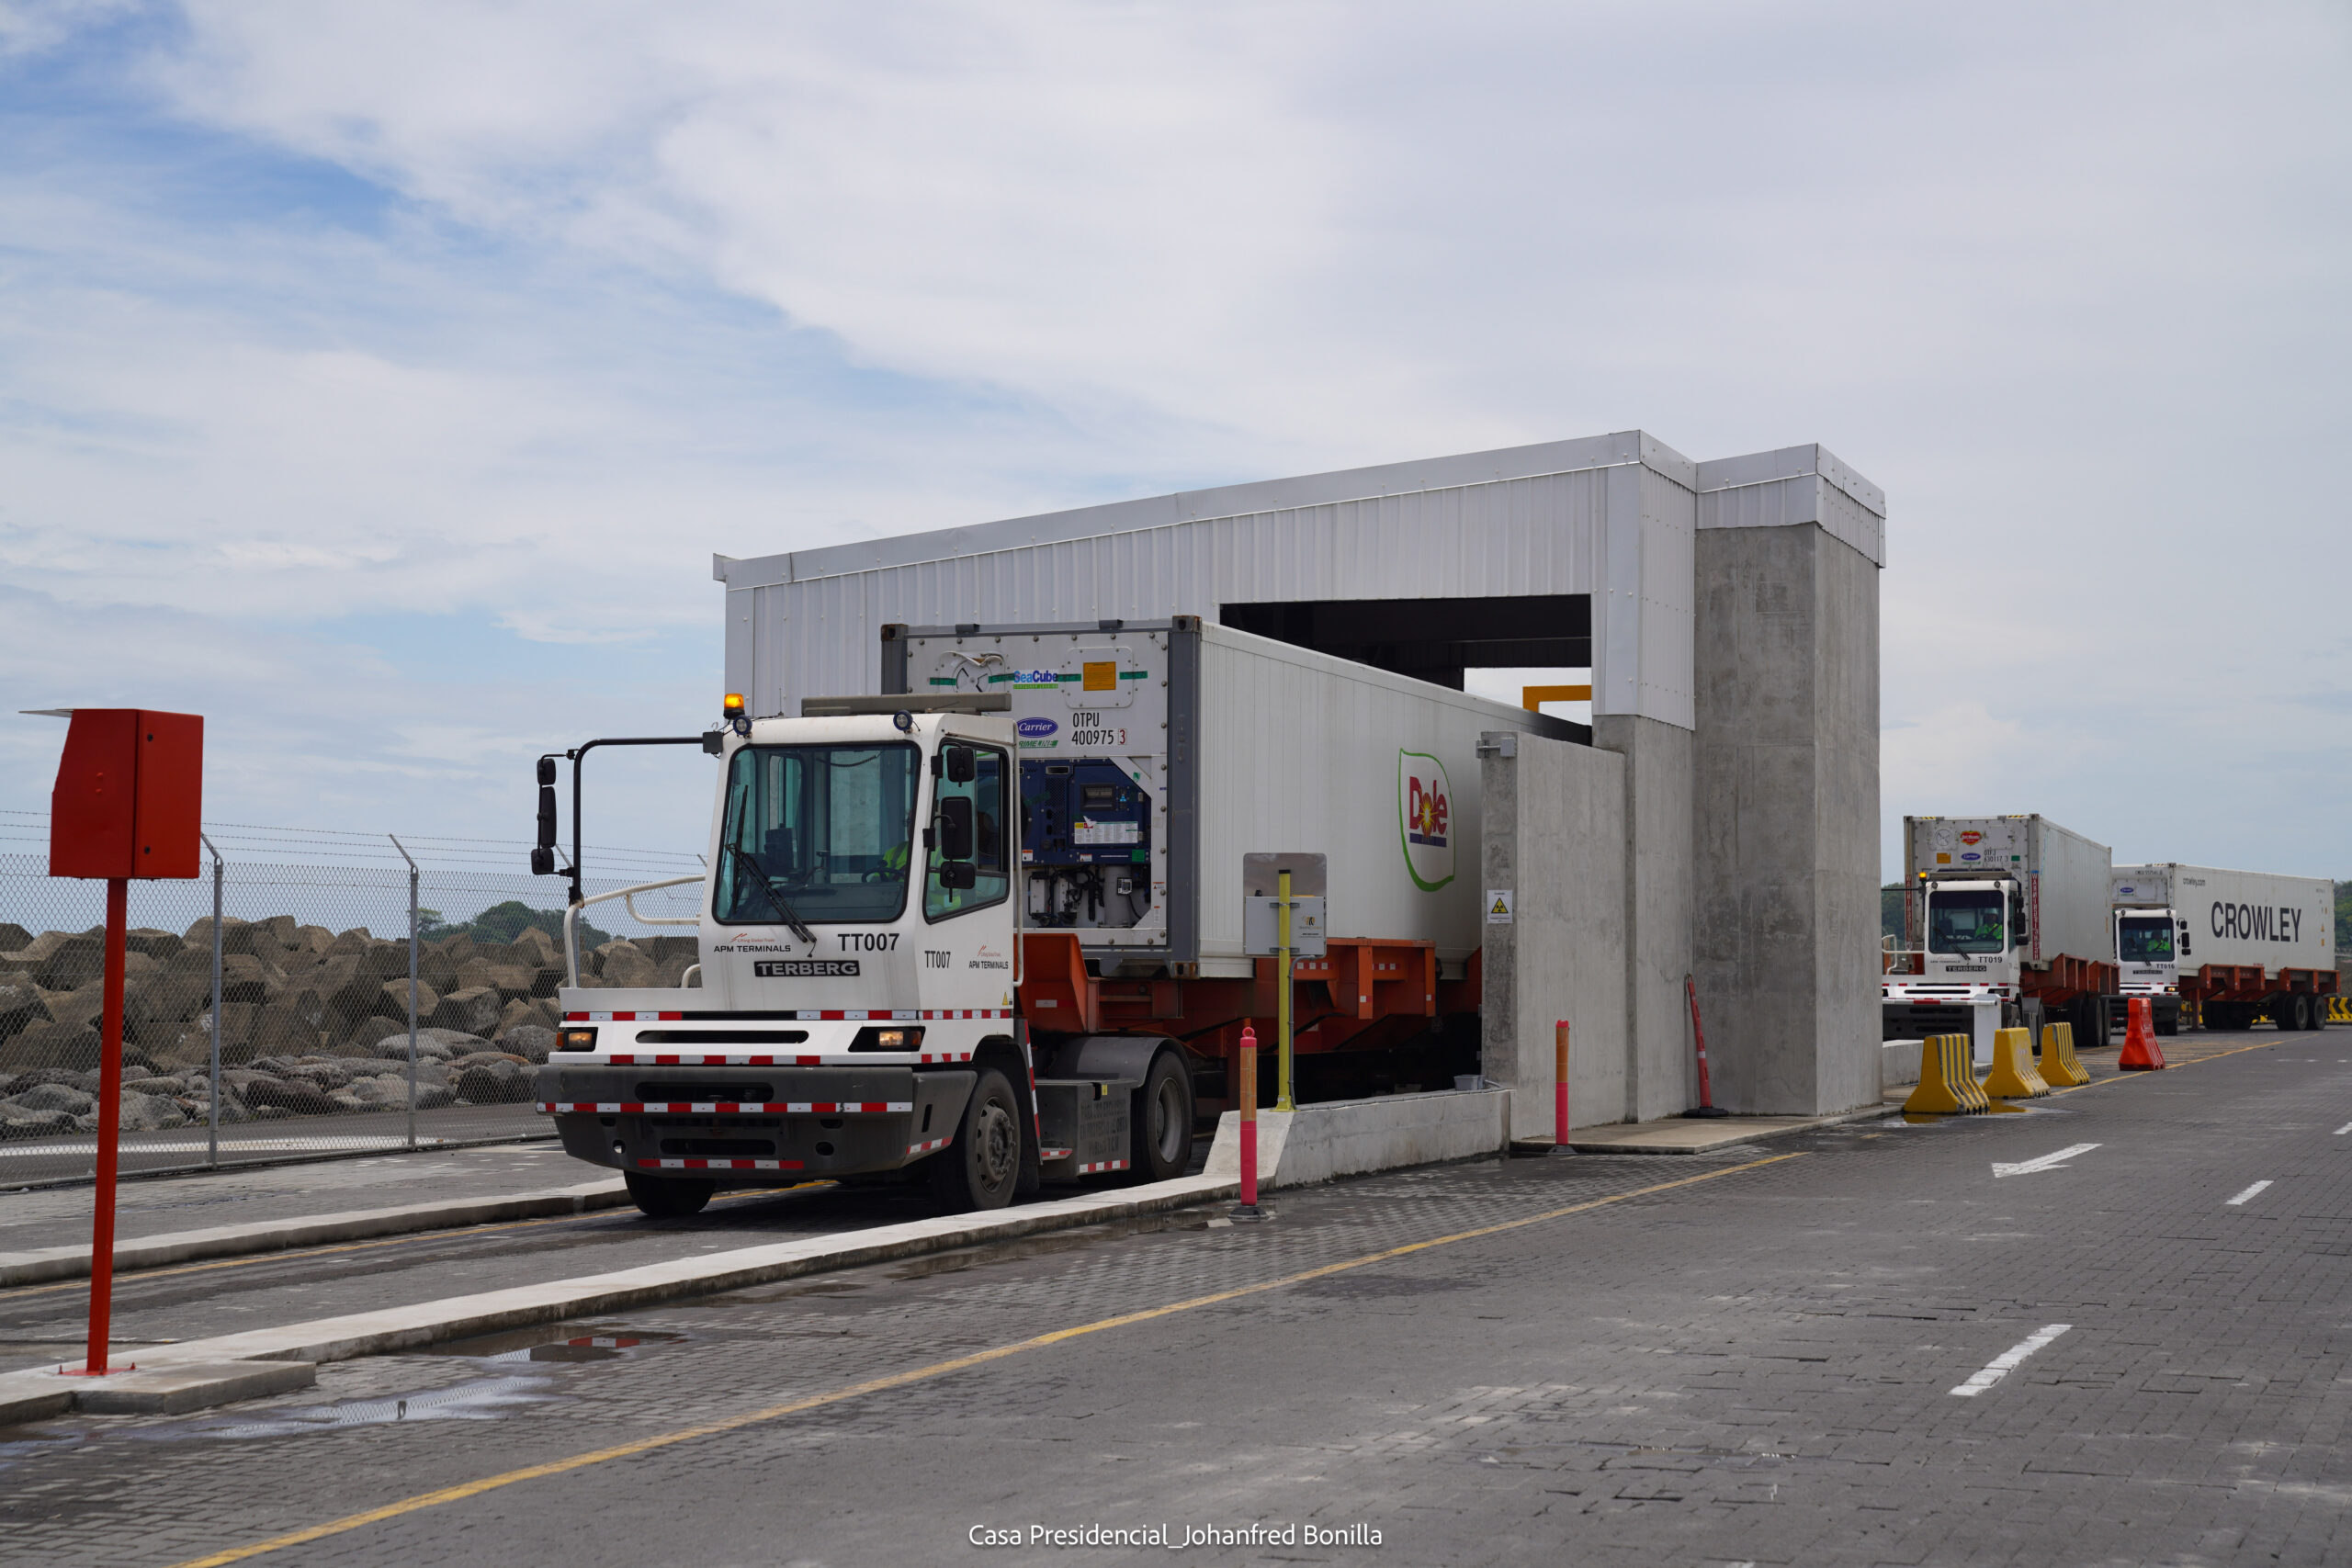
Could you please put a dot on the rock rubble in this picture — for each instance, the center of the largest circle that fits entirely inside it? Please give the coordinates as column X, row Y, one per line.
column 312, row 1023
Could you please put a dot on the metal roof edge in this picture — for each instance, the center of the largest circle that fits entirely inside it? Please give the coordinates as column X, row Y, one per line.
column 1790, row 463
column 1500, row 464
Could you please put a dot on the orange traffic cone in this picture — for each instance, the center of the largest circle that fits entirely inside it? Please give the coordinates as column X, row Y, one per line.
column 2139, row 1040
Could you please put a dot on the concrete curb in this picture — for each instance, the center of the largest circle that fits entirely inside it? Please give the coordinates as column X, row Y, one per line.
column 275, row 1235
column 31, row 1396
column 1737, row 1137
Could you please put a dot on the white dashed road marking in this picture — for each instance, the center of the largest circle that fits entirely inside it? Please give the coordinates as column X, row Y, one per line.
column 2248, row 1192
column 2004, row 1363
column 2345, row 1128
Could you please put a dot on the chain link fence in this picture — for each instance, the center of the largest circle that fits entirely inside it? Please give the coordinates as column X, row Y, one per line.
column 285, row 1027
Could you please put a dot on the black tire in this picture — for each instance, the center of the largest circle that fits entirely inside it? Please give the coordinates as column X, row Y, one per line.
column 1159, row 1123
column 2300, row 1006
column 982, row 1166
column 668, row 1197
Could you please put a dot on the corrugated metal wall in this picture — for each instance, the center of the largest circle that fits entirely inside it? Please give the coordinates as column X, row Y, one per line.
column 1619, row 530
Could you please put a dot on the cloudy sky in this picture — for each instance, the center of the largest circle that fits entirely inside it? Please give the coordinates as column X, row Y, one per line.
column 377, row 378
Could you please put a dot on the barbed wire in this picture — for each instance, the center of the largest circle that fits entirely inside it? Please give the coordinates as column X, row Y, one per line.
column 343, row 845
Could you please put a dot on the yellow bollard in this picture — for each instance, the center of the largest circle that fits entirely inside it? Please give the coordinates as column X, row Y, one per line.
column 2059, row 1064
column 2012, row 1075
column 1947, row 1078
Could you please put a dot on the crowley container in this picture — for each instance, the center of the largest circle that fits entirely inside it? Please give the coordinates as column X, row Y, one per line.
column 2247, row 919
column 1154, row 755
column 2230, row 946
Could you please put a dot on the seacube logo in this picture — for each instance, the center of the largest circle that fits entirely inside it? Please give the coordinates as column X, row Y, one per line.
column 1425, row 820
column 1037, row 729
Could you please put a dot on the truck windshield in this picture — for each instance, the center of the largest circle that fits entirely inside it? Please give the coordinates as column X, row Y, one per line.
column 1965, row 923
column 2144, row 939
column 827, row 828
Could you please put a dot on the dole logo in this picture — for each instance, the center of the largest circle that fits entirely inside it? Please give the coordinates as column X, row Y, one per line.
column 1425, row 820
column 1037, row 729
column 1971, row 837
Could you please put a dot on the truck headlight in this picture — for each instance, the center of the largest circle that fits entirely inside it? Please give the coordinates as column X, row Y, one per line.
column 575, row 1040
column 894, row 1038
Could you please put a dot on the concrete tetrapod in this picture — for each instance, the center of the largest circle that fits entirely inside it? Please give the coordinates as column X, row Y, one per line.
column 2012, row 1075
column 1947, row 1078
column 2059, row 1065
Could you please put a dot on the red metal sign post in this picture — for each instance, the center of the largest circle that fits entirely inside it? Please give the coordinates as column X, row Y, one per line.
column 129, row 791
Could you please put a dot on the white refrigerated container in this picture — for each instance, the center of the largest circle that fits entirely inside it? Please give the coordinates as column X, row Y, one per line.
column 1204, row 744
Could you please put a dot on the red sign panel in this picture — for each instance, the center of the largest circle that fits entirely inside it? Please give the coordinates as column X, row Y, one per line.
column 129, row 791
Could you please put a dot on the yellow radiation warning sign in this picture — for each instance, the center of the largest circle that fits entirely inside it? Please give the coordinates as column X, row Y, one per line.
column 1498, row 906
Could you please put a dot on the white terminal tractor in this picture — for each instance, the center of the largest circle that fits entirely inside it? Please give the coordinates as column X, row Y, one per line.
column 855, row 1014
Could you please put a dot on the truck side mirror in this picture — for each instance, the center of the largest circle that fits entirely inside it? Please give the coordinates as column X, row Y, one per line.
column 960, row 768
column 956, row 832
column 547, row 817
column 957, row 875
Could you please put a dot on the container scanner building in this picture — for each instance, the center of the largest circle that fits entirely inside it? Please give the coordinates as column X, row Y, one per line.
column 1724, row 822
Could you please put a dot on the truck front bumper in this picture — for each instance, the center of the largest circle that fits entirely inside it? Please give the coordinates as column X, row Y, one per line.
column 746, row 1125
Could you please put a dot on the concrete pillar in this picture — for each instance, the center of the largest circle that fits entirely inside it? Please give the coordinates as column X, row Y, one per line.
column 1555, row 840
column 1786, row 811
column 1660, row 1071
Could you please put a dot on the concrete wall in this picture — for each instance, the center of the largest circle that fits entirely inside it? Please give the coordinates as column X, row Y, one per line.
column 1661, row 1070
column 1556, row 837
column 1350, row 1137
column 1786, row 823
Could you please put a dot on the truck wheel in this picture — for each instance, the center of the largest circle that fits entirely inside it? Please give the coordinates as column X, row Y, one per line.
column 2299, row 1009
column 1159, row 1129
column 982, row 1167
column 668, row 1197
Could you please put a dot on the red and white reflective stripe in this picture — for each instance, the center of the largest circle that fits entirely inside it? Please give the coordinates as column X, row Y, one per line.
column 1102, row 1166
column 1056, row 1153
column 688, row 1059
column 825, row 1015
column 725, row 1106
column 719, row 1164
column 926, row 1148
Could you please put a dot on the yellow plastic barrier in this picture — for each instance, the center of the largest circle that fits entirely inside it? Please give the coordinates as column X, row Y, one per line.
column 2012, row 1075
column 2339, row 1009
column 2058, row 1064
column 1947, row 1078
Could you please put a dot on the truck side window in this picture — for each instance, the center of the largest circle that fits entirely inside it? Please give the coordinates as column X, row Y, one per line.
column 991, row 884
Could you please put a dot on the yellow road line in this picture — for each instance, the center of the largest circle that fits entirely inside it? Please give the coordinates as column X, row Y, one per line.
column 2186, row 1062
column 133, row 1276
column 464, row 1490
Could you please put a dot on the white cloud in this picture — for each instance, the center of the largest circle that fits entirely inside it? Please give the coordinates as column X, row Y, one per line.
column 587, row 290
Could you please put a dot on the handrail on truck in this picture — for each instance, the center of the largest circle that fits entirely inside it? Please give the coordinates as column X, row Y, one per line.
column 572, row 919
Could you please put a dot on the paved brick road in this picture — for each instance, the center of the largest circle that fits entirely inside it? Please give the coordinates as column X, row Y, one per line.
column 1755, row 1368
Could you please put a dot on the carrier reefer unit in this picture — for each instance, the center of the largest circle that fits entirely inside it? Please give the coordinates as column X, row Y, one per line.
column 985, row 930
column 2012, row 908
column 2225, row 947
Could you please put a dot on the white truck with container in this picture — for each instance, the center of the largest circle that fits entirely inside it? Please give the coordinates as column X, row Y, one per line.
column 2010, row 909
column 985, row 930
column 2225, row 948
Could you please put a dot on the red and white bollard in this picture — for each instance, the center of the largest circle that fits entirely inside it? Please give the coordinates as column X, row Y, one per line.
column 1248, row 1208
column 1560, row 1085
column 1706, row 1106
